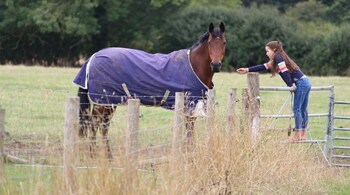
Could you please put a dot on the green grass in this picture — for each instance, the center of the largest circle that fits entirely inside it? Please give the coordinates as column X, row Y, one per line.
column 34, row 100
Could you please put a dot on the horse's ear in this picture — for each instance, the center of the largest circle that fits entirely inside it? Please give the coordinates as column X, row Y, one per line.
column 222, row 27
column 211, row 27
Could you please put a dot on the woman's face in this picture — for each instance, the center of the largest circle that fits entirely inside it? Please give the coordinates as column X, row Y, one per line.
column 269, row 53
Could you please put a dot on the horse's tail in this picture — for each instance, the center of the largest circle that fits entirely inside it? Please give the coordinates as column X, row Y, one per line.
column 84, row 116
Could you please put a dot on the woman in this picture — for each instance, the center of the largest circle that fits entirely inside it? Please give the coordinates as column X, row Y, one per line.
column 290, row 72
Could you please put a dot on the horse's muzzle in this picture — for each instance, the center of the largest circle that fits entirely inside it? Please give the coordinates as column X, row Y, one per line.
column 215, row 67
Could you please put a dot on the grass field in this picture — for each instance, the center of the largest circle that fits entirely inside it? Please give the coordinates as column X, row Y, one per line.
column 34, row 101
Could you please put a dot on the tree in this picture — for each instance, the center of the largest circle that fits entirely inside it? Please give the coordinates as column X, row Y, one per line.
column 309, row 11
column 330, row 54
column 44, row 31
column 339, row 11
column 282, row 5
column 262, row 25
column 50, row 32
column 222, row 3
column 184, row 29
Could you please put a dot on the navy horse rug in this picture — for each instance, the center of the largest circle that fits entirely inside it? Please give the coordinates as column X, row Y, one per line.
column 113, row 75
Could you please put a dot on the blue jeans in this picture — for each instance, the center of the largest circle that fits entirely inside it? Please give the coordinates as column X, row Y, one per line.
column 301, row 100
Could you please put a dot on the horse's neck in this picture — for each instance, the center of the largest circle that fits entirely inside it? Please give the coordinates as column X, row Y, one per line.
column 200, row 61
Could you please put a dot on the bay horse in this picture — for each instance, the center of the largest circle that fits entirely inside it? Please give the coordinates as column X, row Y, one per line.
column 113, row 75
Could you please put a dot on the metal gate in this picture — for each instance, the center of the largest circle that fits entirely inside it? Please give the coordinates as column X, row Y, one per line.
column 340, row 139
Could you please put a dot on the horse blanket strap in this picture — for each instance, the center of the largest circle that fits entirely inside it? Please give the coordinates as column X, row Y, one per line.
column 152, row 78
column 166, row 95
column 126, row 90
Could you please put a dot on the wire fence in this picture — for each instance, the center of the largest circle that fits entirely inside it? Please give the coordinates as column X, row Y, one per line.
column 34, row 136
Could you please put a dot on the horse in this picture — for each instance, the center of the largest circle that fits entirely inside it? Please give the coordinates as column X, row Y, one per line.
column 113, row 75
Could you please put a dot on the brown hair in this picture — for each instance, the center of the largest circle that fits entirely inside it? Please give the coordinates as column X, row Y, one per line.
column 277, row 47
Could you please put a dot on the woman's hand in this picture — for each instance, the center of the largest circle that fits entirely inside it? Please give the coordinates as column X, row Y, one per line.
column 242, row 70
column 293, row 88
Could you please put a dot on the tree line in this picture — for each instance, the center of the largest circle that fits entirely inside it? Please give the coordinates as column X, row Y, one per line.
column 315, row 33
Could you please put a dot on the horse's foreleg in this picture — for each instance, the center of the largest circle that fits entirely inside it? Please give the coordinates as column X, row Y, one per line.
column 107, row 116
column 84, row 124
column 189, row 124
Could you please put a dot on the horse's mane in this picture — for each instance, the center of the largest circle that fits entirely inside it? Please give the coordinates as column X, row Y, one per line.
column 204, row 37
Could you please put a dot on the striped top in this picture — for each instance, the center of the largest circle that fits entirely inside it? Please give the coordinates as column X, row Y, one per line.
column 288, row 77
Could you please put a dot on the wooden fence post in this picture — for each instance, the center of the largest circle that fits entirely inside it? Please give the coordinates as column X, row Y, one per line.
column 131, row 146
column 2, row 137
column 254, row 108
column 71, row 131
column 211, row 115
column 178, row 126
column 231, row 123
column 245, row 110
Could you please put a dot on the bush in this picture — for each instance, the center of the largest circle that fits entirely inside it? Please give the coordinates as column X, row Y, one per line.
column 330, row 55
column 247, row 32
column 184, row 29
column 264, row 25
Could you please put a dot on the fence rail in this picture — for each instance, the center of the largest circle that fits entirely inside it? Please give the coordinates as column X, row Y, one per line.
column 316, row 88
column 292, row 116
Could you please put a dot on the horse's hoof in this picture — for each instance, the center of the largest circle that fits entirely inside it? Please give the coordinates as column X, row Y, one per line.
column 82, row 133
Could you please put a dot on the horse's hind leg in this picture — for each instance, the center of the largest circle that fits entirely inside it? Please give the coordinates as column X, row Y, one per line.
column 96, row 119
column 101, row 116
column 107, row 116
column 84, row 116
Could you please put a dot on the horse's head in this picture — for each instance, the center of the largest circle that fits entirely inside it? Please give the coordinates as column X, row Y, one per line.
column 216, row 44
